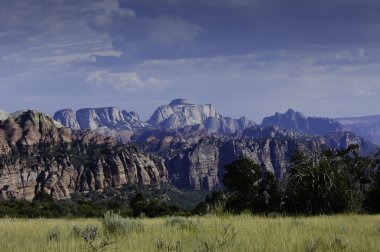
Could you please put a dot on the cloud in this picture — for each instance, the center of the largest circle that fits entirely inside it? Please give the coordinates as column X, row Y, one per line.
column 245, row 26
column 144, row 37
column 128, row 81
column 65, row 27
column 62, row 58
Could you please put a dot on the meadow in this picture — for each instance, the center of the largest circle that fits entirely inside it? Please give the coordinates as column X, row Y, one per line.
column 207, row 233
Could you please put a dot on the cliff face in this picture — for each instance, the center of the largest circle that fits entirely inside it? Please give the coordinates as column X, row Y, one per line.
column 179, row 114
column 99, row 118
column 67, row 118
column 38, row 155
column 293, row 120
column 201, row 165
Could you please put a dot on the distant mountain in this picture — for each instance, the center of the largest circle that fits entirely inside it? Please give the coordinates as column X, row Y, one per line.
column 367, row 127
column 95, row 118
column 179, row 114
column 293, row 120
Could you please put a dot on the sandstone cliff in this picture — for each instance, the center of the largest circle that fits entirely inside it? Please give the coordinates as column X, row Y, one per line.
column 110, row 118
column 38, row 155
column 179, row 114
column 196, row 161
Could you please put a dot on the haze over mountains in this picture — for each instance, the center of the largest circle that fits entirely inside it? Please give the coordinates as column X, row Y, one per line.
column 367, row 126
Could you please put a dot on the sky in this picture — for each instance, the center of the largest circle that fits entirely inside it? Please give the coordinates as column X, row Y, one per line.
column 247, row 57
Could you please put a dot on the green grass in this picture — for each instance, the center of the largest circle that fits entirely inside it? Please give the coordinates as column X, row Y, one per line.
column 209, row 233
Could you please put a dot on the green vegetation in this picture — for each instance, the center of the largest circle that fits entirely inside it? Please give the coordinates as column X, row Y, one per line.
column 43, row 206
column 249, row 189
column 326, row 182
column 208, row 233
column 291, row 216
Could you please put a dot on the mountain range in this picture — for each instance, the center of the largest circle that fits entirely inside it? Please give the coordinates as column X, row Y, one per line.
column 367, row 127
column 182, row 143
column 180, row 114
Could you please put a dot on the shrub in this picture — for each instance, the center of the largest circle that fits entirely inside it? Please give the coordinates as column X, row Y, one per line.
column 113, row 223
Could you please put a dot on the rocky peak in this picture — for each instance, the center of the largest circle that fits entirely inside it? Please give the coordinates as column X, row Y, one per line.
column 38, row 154
column 107, row 118
column 179, row 114
column 30, row 127
column 294, row 120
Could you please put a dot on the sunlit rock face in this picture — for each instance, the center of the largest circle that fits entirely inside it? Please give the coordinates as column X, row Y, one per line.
column 38, row 154
column 94, row 118
column 67, row 118
column 180, row 113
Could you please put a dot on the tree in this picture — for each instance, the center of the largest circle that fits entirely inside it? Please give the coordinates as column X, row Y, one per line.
column 372, row 202
column 248, row 189
column 327, row 182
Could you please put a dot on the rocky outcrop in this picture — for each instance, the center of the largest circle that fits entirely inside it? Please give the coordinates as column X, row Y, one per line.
column 293, row 120
column 37, row 155
column 367, row 127
column 3, row 115
column 179, row 114
column 67, row 118
column 110, row 118
column 200, row 165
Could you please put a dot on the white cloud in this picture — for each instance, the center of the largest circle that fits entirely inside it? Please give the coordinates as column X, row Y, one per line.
column 76, row 57
column 128, row 81
column 65, row 33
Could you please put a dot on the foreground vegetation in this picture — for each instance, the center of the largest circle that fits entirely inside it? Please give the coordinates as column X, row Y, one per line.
column 207, row 233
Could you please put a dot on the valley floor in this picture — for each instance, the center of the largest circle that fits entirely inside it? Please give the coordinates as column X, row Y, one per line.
column 209, row 233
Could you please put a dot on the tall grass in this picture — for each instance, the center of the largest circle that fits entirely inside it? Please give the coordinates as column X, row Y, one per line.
column 208, row 233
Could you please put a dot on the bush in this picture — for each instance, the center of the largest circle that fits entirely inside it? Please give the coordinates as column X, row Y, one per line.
column 113, row 223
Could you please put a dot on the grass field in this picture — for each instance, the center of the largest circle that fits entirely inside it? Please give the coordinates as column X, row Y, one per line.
column 209, row 233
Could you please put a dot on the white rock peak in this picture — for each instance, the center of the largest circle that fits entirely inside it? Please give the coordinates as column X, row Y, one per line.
column 180, row 113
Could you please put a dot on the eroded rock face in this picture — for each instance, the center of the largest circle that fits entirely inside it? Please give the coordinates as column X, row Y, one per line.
column 37, row 155
column 201, row 165
column 67, row 118
column 179, row 114
column 109, row 118
column 293, row 120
